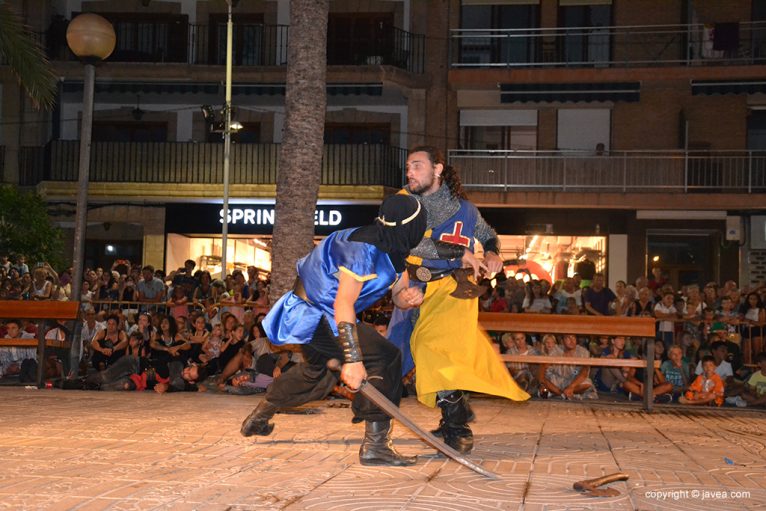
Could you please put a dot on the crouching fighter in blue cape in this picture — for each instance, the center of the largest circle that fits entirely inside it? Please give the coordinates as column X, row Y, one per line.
column 345, row 274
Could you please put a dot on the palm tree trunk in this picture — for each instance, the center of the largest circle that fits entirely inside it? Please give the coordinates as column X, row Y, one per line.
column 300, row 155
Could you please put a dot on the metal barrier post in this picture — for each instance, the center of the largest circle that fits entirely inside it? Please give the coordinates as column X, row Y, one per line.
column 649, row 374
column 564, row 175
column 40, row 353
column 75, row 348
column 505, row 173
column 624, row 171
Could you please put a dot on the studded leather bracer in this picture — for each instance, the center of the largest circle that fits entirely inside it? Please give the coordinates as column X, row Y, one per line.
column 448, row 250
column 349, row 341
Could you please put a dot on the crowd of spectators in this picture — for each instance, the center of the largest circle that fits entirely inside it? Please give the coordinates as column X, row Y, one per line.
column 142, row 328
column 709, row 341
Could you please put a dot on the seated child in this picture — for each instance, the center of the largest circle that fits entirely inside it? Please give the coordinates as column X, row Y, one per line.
column 708, row 388
column 754, row 391
column 675, row 370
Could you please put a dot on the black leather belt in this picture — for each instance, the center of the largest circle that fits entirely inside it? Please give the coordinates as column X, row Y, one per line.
column 425, row 274
column 299, row 290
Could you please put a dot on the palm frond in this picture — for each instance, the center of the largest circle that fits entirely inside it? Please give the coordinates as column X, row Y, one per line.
column 26, row 58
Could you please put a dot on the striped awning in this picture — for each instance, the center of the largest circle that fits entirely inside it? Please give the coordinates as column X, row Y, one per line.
column 570, row 92
column 238, row 89
column 720, row 87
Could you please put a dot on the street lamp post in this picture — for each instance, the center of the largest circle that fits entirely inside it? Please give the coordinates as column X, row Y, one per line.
column 91, row 38
column 226, row 144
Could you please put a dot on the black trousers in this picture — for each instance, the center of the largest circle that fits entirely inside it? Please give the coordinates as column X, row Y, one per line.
column 311, row 380
column 118, row 374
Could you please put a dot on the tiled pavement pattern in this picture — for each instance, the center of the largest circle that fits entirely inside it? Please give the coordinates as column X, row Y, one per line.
column 94, row 450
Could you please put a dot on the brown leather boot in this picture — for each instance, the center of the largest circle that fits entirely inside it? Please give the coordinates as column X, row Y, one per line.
column 378, row 449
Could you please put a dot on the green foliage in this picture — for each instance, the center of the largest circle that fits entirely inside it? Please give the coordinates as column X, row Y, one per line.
column 26, row 58
column 26, row 229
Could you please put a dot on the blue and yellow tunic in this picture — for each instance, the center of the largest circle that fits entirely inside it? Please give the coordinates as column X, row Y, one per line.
column 293, row 321
column 449, row 348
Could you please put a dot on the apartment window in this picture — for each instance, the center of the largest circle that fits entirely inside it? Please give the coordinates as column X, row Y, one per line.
column 336, row 133
column 487, row 47
column 588, row 39
column 360, row 38
column 583, row 129
column 756, row 142
column 521, row 138
column 498, row 129
column 758, row 37
column 128, row 131
column 756, row 130
column 146, row 37
column 247, row 39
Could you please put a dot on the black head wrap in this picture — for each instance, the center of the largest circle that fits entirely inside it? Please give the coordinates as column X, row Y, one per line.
column 399, row 228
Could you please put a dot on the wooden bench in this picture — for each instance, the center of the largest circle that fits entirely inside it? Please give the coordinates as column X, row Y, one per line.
column 40, row 311
column 642, row 328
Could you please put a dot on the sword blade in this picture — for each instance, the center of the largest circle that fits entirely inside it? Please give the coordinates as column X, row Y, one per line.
column 394, row 412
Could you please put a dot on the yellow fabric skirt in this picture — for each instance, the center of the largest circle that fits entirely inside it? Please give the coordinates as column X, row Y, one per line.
column 452, row 352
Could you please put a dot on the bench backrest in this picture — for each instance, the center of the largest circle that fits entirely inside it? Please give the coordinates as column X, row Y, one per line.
column 564, row 324
column 52, row 309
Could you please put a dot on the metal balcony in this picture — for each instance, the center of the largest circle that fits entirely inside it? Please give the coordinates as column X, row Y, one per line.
column 254, row 44
column 609, row 46
column 624, row 171
column 202, row 163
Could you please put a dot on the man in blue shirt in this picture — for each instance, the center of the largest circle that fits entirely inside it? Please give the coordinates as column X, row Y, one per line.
column 598, row 299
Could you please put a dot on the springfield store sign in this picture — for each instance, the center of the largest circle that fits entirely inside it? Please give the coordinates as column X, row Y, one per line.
column 262, row 216
column 205, row 219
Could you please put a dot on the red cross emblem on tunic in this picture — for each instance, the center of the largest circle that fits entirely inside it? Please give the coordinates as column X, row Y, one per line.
column 455, row 237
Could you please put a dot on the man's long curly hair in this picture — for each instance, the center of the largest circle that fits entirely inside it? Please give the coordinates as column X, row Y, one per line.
column 449, row 175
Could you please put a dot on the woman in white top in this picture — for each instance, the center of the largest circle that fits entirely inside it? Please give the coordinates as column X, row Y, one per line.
column 41, row 286
column 753, row 316
column 536, row 300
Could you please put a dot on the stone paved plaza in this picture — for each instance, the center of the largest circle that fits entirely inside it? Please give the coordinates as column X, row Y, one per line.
column 96, row 450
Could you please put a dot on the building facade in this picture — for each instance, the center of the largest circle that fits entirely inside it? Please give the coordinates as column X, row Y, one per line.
column 627, row 132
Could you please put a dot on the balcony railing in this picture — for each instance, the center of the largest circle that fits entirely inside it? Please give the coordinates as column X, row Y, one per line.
column 612, row 46
column 253, row 45
column 624, row 171
column 188, row 162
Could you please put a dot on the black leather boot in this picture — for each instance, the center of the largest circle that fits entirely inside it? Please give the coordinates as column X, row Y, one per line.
column 257, row 423
column 378, row 449
column 454, row 423
column 439, row 431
